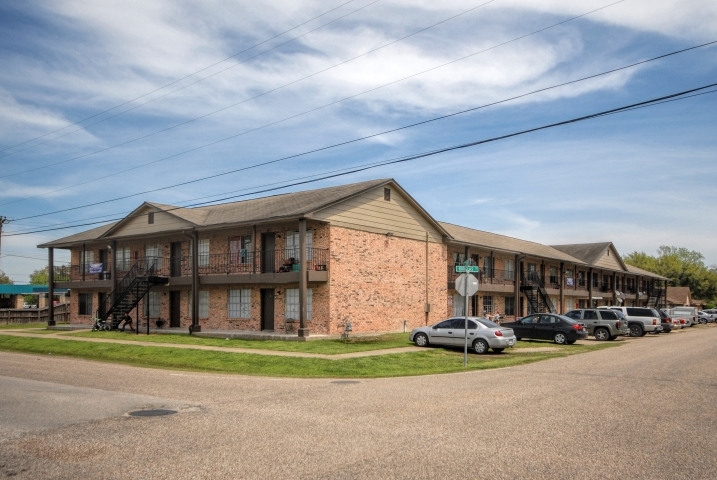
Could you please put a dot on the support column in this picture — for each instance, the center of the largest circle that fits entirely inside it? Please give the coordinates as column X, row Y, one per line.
column 590, row 288
column 303, row 328
column 50, row 287
column 561, row 279
column 82, row 262
column 614, row 288
column 195, row 283
column 113, row 272
column 254, row 243
column 520, row 280
column 637, row 291
column 516, row 287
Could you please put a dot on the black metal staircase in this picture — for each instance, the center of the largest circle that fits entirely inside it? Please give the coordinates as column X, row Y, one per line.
column 653, row 301
column 534, row 289
column 130, row 290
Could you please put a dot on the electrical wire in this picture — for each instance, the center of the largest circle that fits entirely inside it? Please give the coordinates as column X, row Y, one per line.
column 243, row 133
column 176, row 81
column 269, row 162
column 653, row 102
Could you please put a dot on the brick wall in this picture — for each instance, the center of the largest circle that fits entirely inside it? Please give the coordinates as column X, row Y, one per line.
column 378, row 281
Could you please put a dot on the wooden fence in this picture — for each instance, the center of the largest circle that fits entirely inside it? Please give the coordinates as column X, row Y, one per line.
column 34, row 315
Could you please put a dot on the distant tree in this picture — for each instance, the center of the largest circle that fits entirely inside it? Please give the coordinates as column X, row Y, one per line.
column 4, row 279
column 684, row 268
column 40, row 277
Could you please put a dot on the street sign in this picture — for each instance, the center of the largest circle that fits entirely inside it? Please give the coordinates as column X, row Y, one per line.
column 467, row 268
column 467, row 284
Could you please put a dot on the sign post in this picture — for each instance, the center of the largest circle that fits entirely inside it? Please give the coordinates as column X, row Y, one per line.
column 467, row 286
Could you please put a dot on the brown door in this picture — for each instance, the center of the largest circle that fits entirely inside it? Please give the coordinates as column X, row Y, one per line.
column 176, row 259
column 175, row 305
column 101, row 303
column 105, row 274
column 267, row 252
column 267, row 309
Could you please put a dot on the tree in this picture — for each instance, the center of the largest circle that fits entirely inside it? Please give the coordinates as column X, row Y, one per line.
column 40, row 277
column 684, row 268
column 4, row 279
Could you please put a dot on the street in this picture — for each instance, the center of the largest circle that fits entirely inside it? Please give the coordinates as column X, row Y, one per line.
column 645, row 409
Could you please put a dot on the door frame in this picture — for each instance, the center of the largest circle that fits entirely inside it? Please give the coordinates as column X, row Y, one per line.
column 267, row 320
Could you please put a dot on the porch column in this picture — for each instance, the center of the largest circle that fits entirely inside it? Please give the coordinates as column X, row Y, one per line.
column 50, row 287
column 561, row 278
column 637, row 291
column 113, row 271
column 82, row 262
column 516, row 287
column 614, row 288
column 195, row 283
column 590, row 288
column 254, row 245
column 303, row 271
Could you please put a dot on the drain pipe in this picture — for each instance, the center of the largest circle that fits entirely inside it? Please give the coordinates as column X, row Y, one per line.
column 194, row 252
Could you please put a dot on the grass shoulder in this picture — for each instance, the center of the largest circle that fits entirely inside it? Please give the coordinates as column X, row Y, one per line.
column 428, row 361
column 22, row 326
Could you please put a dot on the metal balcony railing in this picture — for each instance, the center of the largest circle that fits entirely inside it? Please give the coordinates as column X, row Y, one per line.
column 492, row 276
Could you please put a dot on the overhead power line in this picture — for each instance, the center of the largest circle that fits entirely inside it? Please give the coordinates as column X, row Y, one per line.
column 183, row 78
column 366, row 137
column 647, row 103
column 266, row 92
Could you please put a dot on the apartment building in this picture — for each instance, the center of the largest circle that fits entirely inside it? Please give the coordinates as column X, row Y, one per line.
column 365, row 253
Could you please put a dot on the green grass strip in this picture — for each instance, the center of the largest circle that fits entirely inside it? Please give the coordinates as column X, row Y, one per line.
column 430, row 361
column 13, row 326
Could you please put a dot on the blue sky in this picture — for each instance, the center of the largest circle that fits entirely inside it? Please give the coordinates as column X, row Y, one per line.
column 640, row 179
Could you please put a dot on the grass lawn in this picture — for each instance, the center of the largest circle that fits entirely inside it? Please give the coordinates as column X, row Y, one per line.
column 13, row 326
column 430, row 361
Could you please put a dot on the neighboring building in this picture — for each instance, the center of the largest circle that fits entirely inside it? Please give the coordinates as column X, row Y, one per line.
column 372, row 256
column 682, row 297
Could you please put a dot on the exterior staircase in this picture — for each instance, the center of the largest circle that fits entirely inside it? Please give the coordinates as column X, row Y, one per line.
column 130, row 291
column 534, row 290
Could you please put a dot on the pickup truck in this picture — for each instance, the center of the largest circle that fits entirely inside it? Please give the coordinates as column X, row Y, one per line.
column 603, row 324
column 640, row 320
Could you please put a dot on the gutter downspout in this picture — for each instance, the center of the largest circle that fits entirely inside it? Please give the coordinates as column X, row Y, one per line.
column 194, row 252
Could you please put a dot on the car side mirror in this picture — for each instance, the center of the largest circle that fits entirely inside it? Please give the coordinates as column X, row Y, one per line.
column 434, row 327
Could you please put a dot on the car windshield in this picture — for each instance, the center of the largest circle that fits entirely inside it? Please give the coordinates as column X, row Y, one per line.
column 487, row 323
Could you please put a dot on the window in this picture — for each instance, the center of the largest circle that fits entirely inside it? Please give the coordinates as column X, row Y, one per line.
column 487, row 304
column 575, row 314
column 291, row 308
column 150, row 218
column 88, row 259
column 122, row 259
column 203, row 303
column 203, row 252
column 569, row 280
column 509, row 269
column 85, row 304
column 445, row 324
column 240, row 249
column 595, row 280
column 387, row 194
column 569, row 303
column 151, row 253
column 458, row 258
column 590, row 315
column 240, row 303
column 458, row 305
column 488, row 266
column 510, row 305
column 292, row 245
column 608, row 315
column 553, row 275
column 153, row 304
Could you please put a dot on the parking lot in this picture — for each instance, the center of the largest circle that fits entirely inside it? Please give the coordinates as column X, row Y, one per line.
column 647, row 409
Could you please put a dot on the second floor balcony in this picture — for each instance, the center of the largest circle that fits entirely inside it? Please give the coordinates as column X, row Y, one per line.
column 276, row 263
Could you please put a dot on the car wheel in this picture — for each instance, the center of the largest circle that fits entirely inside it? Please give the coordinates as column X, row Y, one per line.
column 636, row 331
column 498, row 350
column 421, row 340
column 560, row 338
column 602, row 334
column 480, row 347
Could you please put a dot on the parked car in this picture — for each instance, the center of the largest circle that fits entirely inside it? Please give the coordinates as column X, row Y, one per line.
column 665, row 321
column 686, row 312
column 640, row 320
column 713, row 312
column 549, row 326
column 685, row 320
column 482, row 334
column 704, row 317
column 603, row 324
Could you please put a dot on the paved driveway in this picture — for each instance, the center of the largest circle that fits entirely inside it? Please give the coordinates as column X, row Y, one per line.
column 647, row 409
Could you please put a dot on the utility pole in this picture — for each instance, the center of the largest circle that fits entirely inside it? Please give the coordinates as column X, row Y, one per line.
column 3, row 221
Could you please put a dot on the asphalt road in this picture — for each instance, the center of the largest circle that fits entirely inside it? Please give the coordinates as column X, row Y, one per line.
column 646, row 409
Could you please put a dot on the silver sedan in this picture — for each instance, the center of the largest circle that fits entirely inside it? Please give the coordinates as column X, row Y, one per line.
column 482, row 334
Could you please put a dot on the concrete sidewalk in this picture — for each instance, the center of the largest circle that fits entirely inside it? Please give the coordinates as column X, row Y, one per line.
column 254, row 351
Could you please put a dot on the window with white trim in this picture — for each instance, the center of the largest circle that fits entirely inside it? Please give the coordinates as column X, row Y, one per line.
column 292, row 245
column 85, row 304
column 240, row 249
column 240, row 303
column 152, row 255
column 487, row 304
column 203, row 303
column 203, row 252
column 459, row 303
column 123, row 259
column 509, row 269
column 488, row 267
column 153, row 304
column 88, row 258
column 291, row 305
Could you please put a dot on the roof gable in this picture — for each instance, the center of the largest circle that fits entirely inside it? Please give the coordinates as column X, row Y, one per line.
column 163, row 217
column 601, row 255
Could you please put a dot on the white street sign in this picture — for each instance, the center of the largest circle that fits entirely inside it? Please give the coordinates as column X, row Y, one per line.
column 467, row 284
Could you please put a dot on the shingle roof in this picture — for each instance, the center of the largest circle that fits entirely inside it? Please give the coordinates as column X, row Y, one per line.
column 639, row 271
column 678, row 295
column 502, row 242
column 587, row 252
column 288, row 205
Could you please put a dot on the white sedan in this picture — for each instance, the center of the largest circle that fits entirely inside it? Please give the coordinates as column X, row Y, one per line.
column 482, row 334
